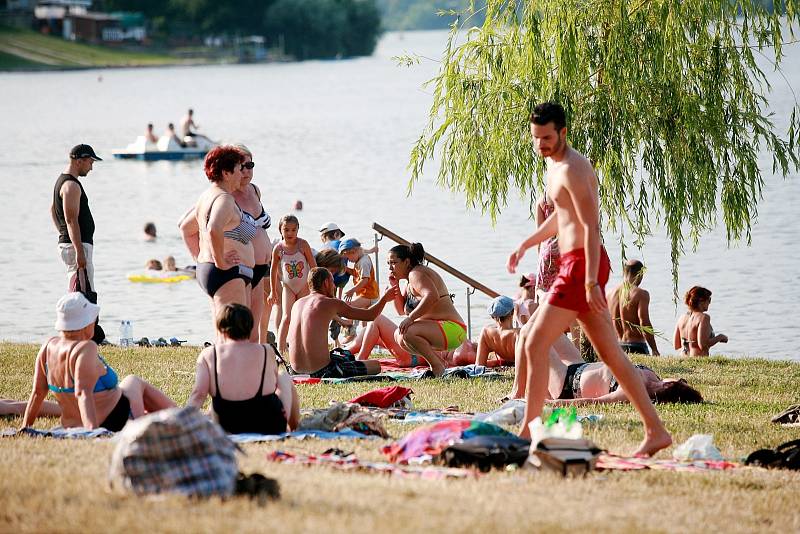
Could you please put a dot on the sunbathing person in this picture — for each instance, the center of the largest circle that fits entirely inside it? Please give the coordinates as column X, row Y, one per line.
column 432, row 323
column 238, row 375
column 381, row 332
column 311, row 315
column 693, row 333
column 526, row 302
column 593, row 383
column 85, row 386
column 498, row 338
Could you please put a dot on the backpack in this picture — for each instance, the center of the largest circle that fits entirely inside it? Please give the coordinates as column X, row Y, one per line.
column 175, row 450
column 784, row 456
column 568, row 457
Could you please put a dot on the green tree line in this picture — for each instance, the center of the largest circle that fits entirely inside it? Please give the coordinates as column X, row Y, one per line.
column 306, row 29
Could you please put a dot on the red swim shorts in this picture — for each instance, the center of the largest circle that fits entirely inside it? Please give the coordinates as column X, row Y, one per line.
column 569, row 290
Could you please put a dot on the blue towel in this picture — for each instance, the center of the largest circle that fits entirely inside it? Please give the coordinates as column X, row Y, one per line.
column 59, row 433
column 346, row 433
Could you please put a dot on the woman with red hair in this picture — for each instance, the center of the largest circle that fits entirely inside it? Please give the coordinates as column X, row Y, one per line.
column 693, row 333
column 219, row 234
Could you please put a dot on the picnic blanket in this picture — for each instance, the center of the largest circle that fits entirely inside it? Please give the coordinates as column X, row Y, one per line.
column 610, row 461
column 344, row 461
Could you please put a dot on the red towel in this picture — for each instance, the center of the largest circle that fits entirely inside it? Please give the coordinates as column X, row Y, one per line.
column 382, row 397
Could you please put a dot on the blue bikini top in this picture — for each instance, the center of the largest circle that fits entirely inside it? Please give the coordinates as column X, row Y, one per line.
column 106, row 382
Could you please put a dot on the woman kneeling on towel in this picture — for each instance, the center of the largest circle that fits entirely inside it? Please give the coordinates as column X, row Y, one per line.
column 432, row 323
column 248, row 395
column 584, row 383
column 85, row 386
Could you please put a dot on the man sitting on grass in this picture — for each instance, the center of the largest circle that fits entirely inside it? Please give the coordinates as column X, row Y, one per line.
column 307, row 339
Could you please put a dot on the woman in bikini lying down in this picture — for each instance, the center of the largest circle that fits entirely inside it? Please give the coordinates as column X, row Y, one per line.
column 592, row 383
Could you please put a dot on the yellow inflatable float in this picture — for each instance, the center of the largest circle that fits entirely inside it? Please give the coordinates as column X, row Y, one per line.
column 159, row 277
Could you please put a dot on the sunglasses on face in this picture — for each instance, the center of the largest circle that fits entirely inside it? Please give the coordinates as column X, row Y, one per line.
column 248, row 165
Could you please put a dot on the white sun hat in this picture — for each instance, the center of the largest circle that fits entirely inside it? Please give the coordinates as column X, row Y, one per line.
column 74, row 312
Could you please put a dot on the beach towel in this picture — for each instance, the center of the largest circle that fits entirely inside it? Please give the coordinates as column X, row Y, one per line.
column 344, row 461
column 610, row 461
column 59, row 433
column 346, row 433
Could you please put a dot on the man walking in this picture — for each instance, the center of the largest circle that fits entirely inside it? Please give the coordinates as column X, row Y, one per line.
column 629, row 305
column 583, row 272
column 71, row 214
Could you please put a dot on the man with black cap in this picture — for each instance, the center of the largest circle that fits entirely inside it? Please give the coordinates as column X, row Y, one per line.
column 71, row 214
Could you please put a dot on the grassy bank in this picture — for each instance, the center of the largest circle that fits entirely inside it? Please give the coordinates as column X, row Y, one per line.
column 48, row 485
column 29, row 50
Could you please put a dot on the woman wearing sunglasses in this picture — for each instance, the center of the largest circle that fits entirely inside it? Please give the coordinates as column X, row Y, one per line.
column 248, row 198
column 219, row 233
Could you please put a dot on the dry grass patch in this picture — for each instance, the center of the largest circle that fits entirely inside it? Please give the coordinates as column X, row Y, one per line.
column 50, row 485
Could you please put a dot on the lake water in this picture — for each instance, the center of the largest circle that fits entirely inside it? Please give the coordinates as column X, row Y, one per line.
column 337, row 135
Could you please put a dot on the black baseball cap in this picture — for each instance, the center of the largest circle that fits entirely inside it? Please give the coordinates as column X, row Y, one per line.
column 83, row 151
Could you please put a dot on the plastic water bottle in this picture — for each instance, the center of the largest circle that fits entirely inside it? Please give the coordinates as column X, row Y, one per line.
column 123, row 338
column 129, row 334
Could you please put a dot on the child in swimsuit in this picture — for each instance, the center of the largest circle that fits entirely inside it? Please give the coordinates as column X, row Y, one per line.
column 294, row 259
column 366, row 286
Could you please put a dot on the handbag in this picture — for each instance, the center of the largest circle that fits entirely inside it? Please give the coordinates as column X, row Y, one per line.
column 568, row 457
column 80, row 283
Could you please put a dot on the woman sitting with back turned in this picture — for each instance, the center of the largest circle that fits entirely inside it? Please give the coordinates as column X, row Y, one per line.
column 237, row 374
column 432, row 323
column 85, row 386
column 693, row 333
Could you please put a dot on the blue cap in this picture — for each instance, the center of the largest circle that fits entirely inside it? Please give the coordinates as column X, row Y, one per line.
column 347, row 244
column 501, row 306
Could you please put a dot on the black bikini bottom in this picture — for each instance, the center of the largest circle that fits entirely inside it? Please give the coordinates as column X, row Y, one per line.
column 259, row 272
column 211, row 279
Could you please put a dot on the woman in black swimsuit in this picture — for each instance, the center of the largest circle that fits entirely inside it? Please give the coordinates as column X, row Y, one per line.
column 248, row 197
column 248, row 395
column 593, row 383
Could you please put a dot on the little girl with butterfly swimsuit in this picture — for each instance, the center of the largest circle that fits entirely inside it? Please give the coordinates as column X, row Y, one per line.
column 295, row 259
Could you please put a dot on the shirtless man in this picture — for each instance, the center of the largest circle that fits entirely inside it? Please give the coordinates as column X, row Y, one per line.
column 501, row 336
column 188, row 126
column 583, row 271
column 630, row 310
column 308, row 343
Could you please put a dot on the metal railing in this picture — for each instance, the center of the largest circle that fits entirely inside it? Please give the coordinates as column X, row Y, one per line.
column 471, row 282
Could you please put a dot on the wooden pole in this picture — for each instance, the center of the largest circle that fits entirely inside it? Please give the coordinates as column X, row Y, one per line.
column 436, row 261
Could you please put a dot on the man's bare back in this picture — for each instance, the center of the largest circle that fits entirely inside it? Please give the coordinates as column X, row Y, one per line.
column 501, row 341
column 625, row 312
column 307, row 338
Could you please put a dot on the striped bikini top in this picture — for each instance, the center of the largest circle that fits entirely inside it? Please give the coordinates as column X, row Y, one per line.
column 245, row 231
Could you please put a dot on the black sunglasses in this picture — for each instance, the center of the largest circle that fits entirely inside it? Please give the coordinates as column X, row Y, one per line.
column 248, row 165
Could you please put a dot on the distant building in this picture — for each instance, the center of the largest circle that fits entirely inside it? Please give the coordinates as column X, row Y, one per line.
column 72, row 20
